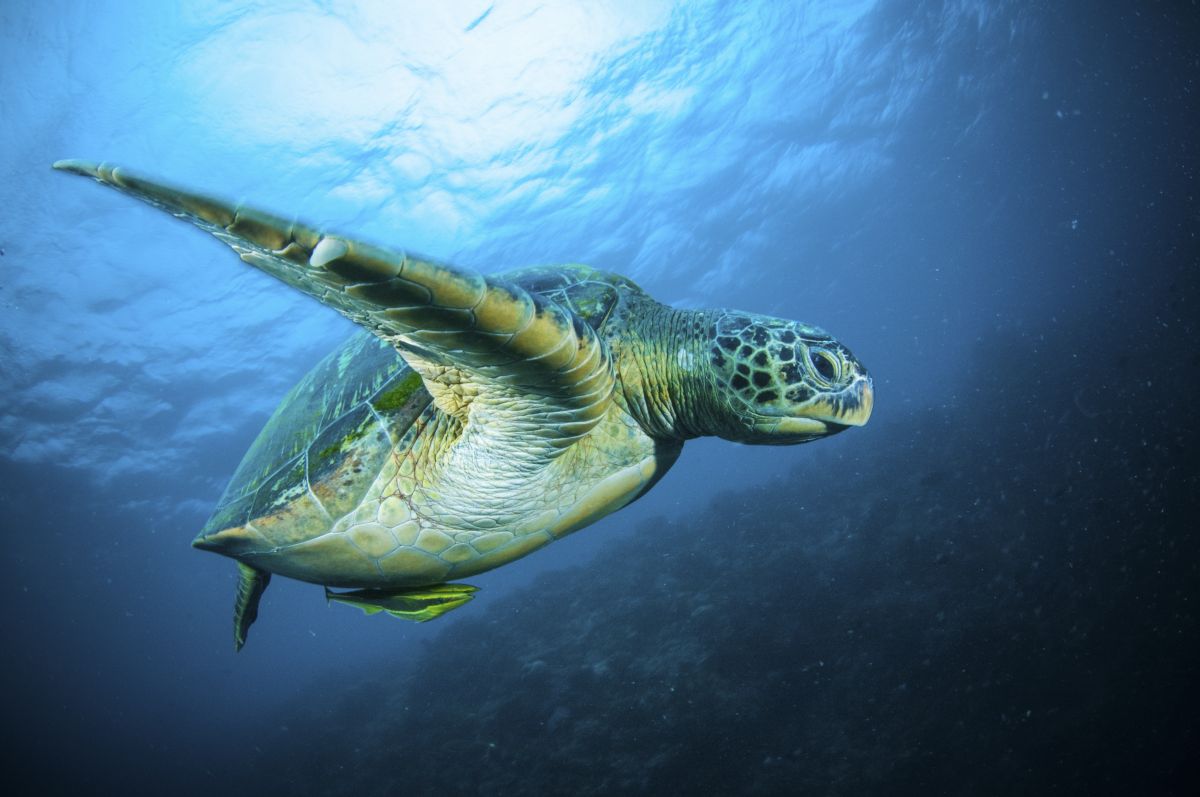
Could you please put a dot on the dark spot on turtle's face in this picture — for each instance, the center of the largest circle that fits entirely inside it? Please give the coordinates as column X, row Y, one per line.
column 760, row 336
column 766, row 397
column 787, row 354
column 738, row 382
column 788, row 336
column 718, row 359
column 799, row 393
column 760, row 359
column 743, row 369
column 745, row 352
column 761, row 379
column 728, row 344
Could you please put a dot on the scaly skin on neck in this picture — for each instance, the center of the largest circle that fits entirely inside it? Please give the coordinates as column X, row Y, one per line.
column 665, row 380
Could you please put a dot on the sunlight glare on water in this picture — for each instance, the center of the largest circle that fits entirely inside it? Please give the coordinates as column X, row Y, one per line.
column 626, row 135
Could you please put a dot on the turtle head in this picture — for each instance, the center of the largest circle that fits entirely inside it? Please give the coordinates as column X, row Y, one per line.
column 782, row 382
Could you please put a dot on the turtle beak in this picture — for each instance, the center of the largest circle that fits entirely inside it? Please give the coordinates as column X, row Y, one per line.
column 854, row 404
column 849, row 407
column 831, row 413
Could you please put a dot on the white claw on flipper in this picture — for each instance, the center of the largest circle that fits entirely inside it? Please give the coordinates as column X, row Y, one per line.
column 326, row 251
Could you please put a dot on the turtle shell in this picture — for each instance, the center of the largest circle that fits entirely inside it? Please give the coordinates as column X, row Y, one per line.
column 326, row 441
column 590, row 294
column 331, row 435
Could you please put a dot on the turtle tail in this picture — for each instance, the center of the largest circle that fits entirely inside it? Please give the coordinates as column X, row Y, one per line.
column 252, row 582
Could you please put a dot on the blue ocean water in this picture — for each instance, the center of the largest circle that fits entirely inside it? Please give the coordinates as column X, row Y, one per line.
column 988, row 589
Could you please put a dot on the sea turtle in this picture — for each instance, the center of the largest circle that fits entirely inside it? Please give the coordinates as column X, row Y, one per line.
column 478, row 417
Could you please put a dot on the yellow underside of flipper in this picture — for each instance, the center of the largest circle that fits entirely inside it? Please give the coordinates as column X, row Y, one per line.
column 419, row 604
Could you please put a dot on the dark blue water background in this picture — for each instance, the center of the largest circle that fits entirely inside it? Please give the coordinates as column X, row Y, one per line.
column 989, row 589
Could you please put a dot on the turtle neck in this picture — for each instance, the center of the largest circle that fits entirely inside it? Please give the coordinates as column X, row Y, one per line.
column 666, row 381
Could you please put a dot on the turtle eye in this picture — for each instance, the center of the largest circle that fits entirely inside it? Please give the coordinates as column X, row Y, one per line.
column 824, row 364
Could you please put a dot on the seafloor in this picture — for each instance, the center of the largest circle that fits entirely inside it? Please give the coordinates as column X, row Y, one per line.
column 992, row 605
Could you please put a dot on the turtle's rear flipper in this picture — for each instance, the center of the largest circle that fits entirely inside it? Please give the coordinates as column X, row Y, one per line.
column 415, row 603
column 251, row 583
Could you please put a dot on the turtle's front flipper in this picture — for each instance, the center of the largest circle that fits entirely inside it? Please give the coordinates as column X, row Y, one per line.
column 417, row 604
column 251, row 584
column 529, row 366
